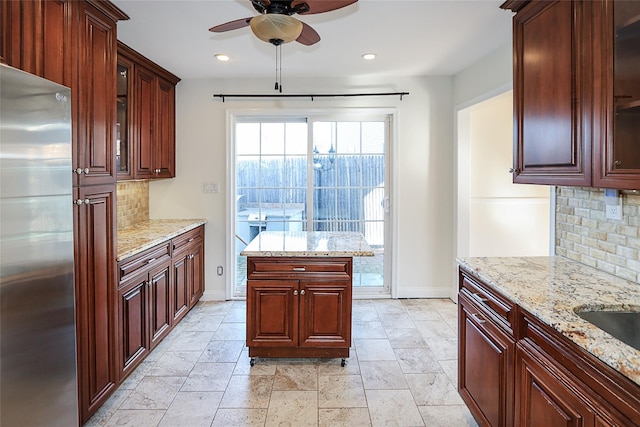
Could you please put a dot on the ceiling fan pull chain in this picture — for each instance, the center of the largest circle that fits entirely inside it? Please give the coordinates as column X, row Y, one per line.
column 280, row 78
column 277, row 85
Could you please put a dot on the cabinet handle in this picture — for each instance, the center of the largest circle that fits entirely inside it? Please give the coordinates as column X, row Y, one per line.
column 191, row 256
column 299, row 269
column 478, row 298
column 190, row 240
column 295, row 293
column 302, row 292
column 151, row 260
column 477, row 318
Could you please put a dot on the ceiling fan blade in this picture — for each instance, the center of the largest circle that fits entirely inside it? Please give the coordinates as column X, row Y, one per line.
column 308, row 36
column 321, row 6
column 231, row 25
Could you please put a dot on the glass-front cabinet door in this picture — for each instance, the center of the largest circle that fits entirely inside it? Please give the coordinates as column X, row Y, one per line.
column 123, row 103
column 619, row 108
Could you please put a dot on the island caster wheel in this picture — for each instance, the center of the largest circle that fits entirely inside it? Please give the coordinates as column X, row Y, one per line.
column 343, row 363
column 252, row 362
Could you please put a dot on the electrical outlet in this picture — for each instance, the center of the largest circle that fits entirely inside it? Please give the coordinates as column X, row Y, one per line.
column 613, row 212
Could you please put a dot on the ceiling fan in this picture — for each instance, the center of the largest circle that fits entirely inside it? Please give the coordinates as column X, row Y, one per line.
column 276, row 25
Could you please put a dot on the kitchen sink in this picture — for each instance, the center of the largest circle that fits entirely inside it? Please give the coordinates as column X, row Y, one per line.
column 624, row 325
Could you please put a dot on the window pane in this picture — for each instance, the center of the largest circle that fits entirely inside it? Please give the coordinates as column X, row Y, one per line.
column 296, row 139
column 272, row 138
column 348, row 137
column 349, row 171
column 247, row 138
column 373, row 137
column 373, row 170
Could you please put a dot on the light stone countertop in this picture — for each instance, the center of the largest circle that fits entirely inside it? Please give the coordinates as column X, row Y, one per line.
column 308, row 244
column 552, row 287
column 147, row 234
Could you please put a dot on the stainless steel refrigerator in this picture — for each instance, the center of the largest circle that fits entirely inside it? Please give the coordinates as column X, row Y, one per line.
column 38, row 384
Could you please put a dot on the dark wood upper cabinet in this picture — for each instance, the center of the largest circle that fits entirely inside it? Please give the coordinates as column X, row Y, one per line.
column 617, row 102
column 576, row 92
column 148, row 136
column 551, row 99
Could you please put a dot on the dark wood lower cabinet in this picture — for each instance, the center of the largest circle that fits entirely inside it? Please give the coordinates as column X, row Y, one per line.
column 547, row 397
column 485, row 374
column 157, row 288
column 94, row 219
column 514, row 370
column 298, row 307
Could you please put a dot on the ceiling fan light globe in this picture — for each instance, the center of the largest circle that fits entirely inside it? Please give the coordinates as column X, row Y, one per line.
column 276, row 27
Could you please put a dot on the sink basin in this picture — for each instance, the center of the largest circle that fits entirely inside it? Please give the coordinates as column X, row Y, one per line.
column 624, row 325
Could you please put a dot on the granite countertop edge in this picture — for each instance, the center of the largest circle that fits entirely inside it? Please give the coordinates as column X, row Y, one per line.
column 552, row 288
column 146, row 234
column 308, row 244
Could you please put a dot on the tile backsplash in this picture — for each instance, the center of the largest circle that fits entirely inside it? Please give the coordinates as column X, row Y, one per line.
column 133, row 202
column 585, row 235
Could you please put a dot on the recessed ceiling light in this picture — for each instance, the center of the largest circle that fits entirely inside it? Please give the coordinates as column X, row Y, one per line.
column 369, row 56
column 222, row 57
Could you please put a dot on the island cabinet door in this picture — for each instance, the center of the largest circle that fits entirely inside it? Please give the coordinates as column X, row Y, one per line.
column 325, row 313
column 272, row 313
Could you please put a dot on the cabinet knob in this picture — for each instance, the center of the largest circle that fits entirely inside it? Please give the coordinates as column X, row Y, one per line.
column 87, row 201
column 78, row 202
column 302, row 292
column 86, row 171
column 78, row 171
column 295, row 293
column 617, row 163
column 511, row 170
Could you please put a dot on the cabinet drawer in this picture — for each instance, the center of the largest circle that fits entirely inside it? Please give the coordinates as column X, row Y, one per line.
column 187, row 238
column 286, row 267
column 132, row 265
column 501, row 310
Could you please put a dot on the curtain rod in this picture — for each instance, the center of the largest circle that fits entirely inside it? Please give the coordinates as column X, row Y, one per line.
column 312, row 96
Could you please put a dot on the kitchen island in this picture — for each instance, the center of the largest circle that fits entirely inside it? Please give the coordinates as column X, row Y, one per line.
column 299, row 293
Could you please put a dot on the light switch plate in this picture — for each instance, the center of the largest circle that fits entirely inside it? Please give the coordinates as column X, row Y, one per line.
column 211, row 187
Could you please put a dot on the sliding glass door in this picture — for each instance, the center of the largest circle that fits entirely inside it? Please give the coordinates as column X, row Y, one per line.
column 312, row 173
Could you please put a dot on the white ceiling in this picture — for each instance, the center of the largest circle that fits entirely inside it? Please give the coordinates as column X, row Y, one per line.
column 410, row 37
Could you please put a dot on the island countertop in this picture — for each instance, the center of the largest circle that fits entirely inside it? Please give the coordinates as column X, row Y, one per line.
column 146, row 234
column 552, row 288
column 308, row 244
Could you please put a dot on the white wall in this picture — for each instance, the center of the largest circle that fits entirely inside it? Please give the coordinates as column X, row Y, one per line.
column 504, row 219
column 423, row 159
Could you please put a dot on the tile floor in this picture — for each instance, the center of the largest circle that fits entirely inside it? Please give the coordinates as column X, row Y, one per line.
column 401, row 372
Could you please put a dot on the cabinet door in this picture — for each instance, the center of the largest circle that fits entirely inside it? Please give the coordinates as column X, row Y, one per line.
column 196, row 285
column 95, row 270
column 124, row 111
column 485, row 367
column 145, row 110
column 165, row 130
column 552, row 94
column 325, row 313
column 545, row 396
column 272, row 313
column 182, row 278
column 617, row 97
column 160, row 319
column 93, row 95
column 133, row 329
column 24, row 45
